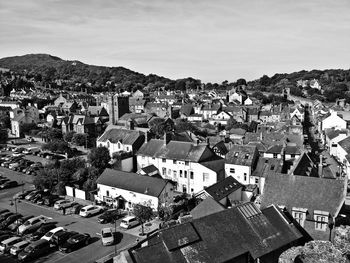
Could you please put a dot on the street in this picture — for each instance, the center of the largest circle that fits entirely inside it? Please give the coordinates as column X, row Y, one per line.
column 90, row 253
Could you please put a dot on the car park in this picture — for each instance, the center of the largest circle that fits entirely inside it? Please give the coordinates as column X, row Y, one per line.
column 35, row 250
column 48, row 236
column 129, row 222
column 5, row 215
column 107, row 237
column 9, row 184
column 90, row 210
column 75, row 242
column 33, row 223
column 109, row 216
column 18, row 247
column 45, row 228
column 63, row 204
column 4, row 224
column 6, row 244
column 5, row 236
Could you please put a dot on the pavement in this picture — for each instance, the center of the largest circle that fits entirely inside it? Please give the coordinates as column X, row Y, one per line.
column 91, row 253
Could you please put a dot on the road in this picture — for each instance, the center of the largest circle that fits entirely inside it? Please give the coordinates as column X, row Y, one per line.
column 90, row 253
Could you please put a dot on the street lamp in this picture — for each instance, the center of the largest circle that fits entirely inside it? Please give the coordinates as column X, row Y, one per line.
column 14, row 202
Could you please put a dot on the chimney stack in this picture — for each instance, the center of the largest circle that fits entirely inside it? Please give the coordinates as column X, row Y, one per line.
column 261, row 136
column 207, row 141
column 320, row 167
column 166, row 138
column 146, row 137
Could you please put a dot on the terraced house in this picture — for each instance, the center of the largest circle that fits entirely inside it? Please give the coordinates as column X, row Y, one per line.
column 193, row 166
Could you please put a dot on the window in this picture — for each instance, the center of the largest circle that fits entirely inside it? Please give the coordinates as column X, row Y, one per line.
column 292, row 155
column 232, row 170
column 180, row 173
column 127, row 148
column 164, row 160
column 107, row 144
column 191, row 175
column 107, row 193
column 184, row 188
column 245, row 176
column 246, row 156
column 185, row 174
column 153, row 158
column 175, row 173
column 143, row 157
column 186, row 163
column 163, row 171
column 118, row 145
column 256, row 180
column 192, row 190
column 275, row 155
column 174, row 161
column 299, row 214
column 169, row 172
column 205, row 177
column 321, row 222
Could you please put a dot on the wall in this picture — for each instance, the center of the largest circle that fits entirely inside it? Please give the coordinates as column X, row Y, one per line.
column 127, row 165
column 240, row 170
column 69, row 191
column 80, row 194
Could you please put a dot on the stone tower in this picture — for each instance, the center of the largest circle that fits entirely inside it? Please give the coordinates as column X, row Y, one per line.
column 286, row 92
column 117, row 107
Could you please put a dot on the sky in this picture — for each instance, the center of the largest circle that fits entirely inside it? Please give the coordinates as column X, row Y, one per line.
column 213, row 40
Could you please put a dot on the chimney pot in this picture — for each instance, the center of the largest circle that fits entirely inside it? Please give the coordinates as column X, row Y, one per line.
column 320, row 166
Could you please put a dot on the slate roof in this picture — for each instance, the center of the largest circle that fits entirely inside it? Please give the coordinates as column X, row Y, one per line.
column 223, row 188
column 221, row 237
column 215, row 164
column 132, row 182
column 267, row 165
column 187, row 109
column 313, row 193
column 207, row 207
column 345, row 144
column 176, row 150
column 241, row 155
column 114, row 135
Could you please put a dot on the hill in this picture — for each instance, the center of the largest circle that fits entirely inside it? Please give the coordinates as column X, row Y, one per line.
column 51, row 68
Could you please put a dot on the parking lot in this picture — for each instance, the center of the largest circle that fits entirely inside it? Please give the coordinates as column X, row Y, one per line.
column 72, row 222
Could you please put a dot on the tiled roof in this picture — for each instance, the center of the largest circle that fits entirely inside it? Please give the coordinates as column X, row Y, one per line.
column 345, row 144
column 267, row 165
column 221, row 237
column 176, row 150
column 207, row 207
column 223, row 188
column 114, row 135
column 313, row 193
column 132, row 182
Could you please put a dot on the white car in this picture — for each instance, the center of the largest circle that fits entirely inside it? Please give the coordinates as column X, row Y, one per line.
column 90, row 210
column 107, row 237
column 8, row 243
column 18, row 247
column 129, row 222
column 48, row 235
column 63, row 204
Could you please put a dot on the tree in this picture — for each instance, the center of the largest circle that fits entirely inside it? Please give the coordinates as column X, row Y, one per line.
column 241, row 82
column 143, row 214
column 3, row 135
column 68, row 136
column 265, row 80
column 230, row 124
column 27, row 127
column 5, row 121
column 54, row 134
column 79, row 139
column 99, row 157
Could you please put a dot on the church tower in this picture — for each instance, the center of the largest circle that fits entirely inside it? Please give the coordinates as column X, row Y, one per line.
column 117, row 107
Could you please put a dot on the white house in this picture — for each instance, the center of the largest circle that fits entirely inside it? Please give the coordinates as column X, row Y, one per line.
column 286, row 152
column 123, row 190
column 221, row 118
column 298, row 112
column 315, row 84
column 332, row 137
column 117, row 139
column 248, row 102
column 240, row 162
column 192, row 166
column 333, row 121
column 343, row 154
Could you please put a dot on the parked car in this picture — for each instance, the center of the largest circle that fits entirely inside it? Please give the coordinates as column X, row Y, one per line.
column 5, row 236
column 31, row 195
column 33, row 223
column 4, row 224
column 90, row 210
column 129, row 222
column 45, row 228
column 22, row 195
column 50, row 200
column 48, row 235
column 5, row 215
column 14, row 165
column 75, row 242
column 18, row 247
column 107, row 237
column 109, row 216
column 63, row 204
column 19, row 222
column 60, row 238
column 8, row 243
column 2, row 181
column 9, row 184
column 35, row 250
column 2, row 211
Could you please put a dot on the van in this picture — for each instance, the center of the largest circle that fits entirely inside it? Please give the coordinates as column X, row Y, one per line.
column 129, row 222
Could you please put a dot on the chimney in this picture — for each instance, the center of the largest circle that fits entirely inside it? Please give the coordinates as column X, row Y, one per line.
column 261, row 136
column 207, row 141
column 197, row 142
column 320, row 167
column 131, row 125
column 230, row 145
column 146, row 137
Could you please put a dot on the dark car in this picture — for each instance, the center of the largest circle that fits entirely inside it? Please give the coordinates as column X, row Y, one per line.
column 23, row 194
column 75, row 242
column 42, row 231
column 4, row 216
column 19, row 222
column 2, row 181
column 2, row 211
column 4, row 224
column 35, row 250
column 9, row 184
column 109, row 216
column 61, row 237
column 51, row 199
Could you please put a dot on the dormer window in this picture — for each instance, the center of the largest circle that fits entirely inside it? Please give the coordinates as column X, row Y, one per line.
column 299, row 214
column 321, row 220
column 246, row 156
column 236, row 154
